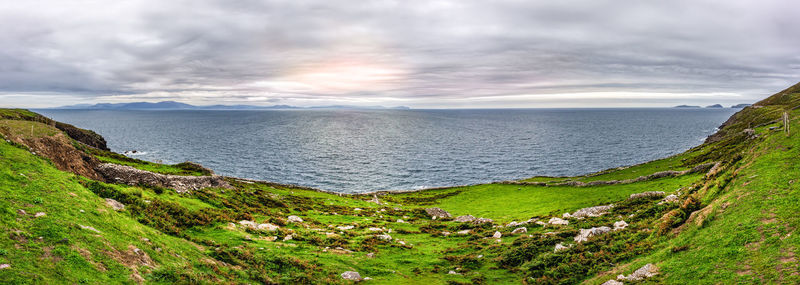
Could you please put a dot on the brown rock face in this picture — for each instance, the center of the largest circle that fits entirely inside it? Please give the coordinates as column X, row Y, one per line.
column 64, row 156
column 132, row 176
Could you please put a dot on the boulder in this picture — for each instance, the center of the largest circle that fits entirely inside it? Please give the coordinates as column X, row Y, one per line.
column 620, row 225
column 520, row 230
column 351, row 275
column 437, row 213
column 375, row 229
column 649, row 194
column 464, row 219
column 560, row 247
column 384, row 237
column 117, row 206
column 558, row 221
column 5, row 265
column 267, row 227
column 612, row 282
column 646, row 271
column 294, row 219
column 39, row 214
column 479, row 221
column 670, row 198
column 585, row 234
column 595, row 211
column 497, row 235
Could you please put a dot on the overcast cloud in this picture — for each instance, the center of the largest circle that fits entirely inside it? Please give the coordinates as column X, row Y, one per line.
column 432, row 54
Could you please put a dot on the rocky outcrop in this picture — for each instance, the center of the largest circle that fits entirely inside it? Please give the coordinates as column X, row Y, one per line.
column 650, row 194
column 595, row 211
column 437, row 213
column 351, row 275
column 128, row 175
column 114, row 204
column 646, row 271
column 585, row 234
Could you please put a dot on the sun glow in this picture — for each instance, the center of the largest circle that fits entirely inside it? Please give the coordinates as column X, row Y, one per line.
column 346, row 76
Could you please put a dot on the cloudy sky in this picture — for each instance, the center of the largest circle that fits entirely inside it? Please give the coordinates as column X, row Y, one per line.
column 425, row 54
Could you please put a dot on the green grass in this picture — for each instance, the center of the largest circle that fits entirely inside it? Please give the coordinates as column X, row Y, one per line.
column 174, row 169
column 26, row 129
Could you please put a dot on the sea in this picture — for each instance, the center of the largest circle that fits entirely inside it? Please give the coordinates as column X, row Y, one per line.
column 355, row 151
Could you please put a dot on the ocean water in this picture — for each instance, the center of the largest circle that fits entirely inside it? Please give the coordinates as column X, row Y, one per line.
column 368, row 150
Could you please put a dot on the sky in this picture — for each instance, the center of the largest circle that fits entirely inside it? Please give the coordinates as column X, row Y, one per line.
column 422, row 54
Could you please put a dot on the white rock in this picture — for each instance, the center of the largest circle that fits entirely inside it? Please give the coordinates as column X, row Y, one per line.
column 249, row 224
column 294, row 219
column 585, row 234
column 612, row 282
column 452, row 272
column 670, row 198
column 351, row 275
column 620, row 225
column 647, row 194
column 288, row 237
column 445, row 233
column 344, row 228
column 89, row 228
column 39, row 214
column 5, row 265
column 384, row 237
column 595, row 211
column 558, row 221
column 267, row 227
column 117, row 206
column 647, row 271
column 464, row 219
column 497, row 235
column 375, row 229
column 520, row 230
column 463, row 232
column 401, row 221
column 560, row 247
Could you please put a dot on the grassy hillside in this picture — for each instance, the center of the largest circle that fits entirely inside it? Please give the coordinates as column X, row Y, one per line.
column 731, row 224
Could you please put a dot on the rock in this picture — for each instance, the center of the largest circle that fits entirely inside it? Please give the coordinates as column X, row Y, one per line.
column 520, row 230
column 558, row 221
column 5, row 265
column 479, row 221
column 612, row 282
column 647, row 271
column 463, row 232
column 445, row 233
column 22, row 212
column 620, row 225
column 452, row 272
column 670, row 198
column 89, row 228
column 585, row 234
column 437, row 213
column 541, row 223
column 650, row 194
column 294, row 219
column 249, row 224
column 287, row 238
column 464, row 219
column 595, row 211
column 39, row 214
column 401, row 221
column 401, row 242
column 384, row 237
column 114, row 204
column 560, row 247
column 267, row 227
column 344, row 228
column 375, row 229
column 497, row 235
column 351, row 275
column 375, row 200
column 357, row 209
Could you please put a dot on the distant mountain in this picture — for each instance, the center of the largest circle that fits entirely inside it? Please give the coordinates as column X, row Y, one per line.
column 172, row 105
column 740, row 106
column 686, row 106
column 714, row 106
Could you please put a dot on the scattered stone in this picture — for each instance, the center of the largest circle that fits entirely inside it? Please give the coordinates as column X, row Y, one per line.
column 39, row 214
column 437, row 213
column 5, row 265
column 585, row 234
column 595, row 211
column 249, row 224
column 132, row 176
column 620, row 225
column 114, row 204
column 375, row 229
column 82, row 211
column 445, row 233
column 344, row 228
column 351, row 275
column 384, row 237
column 89, row 228
column 520, row 230
column 560, row 247
column 401, row 221
column 464, row 219
column 558, row 221
column 294, row 219
column 287, row 238
column 22, row 212
column 612, row 282
column 647, row 271
column 463, row 232
column 401, row 242
column 541, row 223
column 267, row 227
column 452, row 272
column 371, row 255
column 670, row 198
column 375, row 200
column 647, row 195
column 497, row 235
column 479, row 221
column 357, row 209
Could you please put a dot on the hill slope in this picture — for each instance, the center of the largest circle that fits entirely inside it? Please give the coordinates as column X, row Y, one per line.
column 723, row 213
